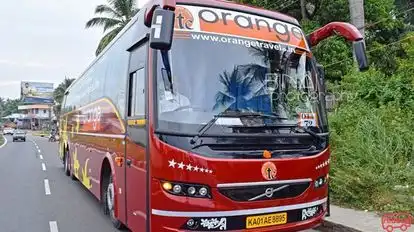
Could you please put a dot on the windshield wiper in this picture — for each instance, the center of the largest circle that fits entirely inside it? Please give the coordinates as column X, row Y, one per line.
column 319, row 136
column 258, row 114
column 228, row 114
column 207, row 126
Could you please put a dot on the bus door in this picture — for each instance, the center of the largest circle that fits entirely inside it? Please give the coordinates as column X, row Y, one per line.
column 136, row 142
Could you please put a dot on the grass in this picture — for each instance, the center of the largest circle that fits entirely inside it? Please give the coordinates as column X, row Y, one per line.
column 40, row 133
column 373, row 157
column 1, row 140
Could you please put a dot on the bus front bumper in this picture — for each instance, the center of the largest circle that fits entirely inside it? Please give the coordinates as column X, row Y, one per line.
column 281, row 218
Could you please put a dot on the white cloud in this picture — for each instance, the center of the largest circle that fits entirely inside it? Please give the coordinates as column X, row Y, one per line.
column 45, row 40
column 9, row 83
column 7, row 62
column 141, row 3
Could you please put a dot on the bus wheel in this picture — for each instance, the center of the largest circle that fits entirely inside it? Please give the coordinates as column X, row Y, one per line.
column 72, row 175
column 66, row 163
column 109, row 201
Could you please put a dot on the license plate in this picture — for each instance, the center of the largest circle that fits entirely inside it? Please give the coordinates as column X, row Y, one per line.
column 266, row 220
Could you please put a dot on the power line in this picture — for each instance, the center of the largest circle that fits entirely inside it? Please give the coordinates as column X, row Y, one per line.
column 373, row 24
column 373, row 50
column 380, row 21
column 284, row 7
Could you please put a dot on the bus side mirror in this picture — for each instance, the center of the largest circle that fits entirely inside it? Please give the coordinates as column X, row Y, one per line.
column 361, row 56
column 162, row 29
column 321, row 74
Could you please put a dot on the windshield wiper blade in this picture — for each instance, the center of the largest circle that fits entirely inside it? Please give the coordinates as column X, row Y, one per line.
column 320, row 136
column 207, row 126
column 258, row 114
column 228, row 114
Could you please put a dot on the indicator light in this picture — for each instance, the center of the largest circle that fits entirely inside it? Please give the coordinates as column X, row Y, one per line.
column 177, row 188
column 167, row 186
column 267, row 154
column 321, row 181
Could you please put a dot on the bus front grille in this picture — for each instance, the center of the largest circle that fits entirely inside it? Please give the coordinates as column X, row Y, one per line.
column 264, row 192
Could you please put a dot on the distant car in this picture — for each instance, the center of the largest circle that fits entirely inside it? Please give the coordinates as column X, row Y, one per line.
column 19, row 135
column 8, row 131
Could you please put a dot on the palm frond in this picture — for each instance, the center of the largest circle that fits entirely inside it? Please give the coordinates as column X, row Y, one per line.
column 101, row 21
column 100, row 9
column 222, row 100
column 124, row 7
column 107, row 39
column 113, row 24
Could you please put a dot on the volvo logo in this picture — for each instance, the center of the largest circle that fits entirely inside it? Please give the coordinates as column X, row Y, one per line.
column 269, row 192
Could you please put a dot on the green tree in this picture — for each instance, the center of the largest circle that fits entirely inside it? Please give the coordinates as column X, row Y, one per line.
column 8, row 106
column 113, row 18
column 59, row 93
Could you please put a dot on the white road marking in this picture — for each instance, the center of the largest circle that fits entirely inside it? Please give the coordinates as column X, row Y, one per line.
column 53, row 226
column 41, row 157
column 43, row 167
column 47, row 187
column 38, row 150
column 5, row 141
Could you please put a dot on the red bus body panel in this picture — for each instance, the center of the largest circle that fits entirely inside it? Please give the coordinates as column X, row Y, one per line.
column 90, row 143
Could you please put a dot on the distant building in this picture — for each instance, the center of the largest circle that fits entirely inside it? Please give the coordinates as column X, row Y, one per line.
column 36, row 117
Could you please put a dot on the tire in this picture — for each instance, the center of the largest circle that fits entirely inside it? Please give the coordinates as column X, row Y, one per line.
column 66, row 163
column 14, row 140
column 108, row 200
column 24, row 140
column 71, row 174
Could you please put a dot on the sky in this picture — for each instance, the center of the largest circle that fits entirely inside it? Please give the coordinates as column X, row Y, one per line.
column 45, row 41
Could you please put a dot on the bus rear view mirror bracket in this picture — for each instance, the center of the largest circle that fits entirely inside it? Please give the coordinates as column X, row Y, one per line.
column 360, row 55
column 162, row 29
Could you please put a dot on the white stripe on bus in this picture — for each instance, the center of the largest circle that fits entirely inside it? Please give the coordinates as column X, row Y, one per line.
column 230, row 213
column 100, row 135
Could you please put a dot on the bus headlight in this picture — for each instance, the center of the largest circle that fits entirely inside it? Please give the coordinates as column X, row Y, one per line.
column 320, row 182
column 203, row 191
column 186, row 190
column 177, row 189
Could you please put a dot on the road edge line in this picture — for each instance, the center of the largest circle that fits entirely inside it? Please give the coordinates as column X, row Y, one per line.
column 5, row 142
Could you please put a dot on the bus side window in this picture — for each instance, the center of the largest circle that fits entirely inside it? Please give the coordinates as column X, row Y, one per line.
column 136, row 106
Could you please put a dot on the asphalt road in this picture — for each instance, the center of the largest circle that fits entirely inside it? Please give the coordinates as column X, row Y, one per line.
column 36, row 196
column 25, row 203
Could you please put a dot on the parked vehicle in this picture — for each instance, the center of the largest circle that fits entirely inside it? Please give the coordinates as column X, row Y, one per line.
column 8, row 131
column 19, row 135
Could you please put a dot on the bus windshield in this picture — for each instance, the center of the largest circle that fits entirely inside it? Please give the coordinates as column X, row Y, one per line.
column 200, row 78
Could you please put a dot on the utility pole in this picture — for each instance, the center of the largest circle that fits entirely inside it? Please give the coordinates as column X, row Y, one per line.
column 356, row 9
column 303, row 9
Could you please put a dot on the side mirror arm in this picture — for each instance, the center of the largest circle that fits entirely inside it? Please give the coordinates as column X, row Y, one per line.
column 349, row 32
column 346, row 30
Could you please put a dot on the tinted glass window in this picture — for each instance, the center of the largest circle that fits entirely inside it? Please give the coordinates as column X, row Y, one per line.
column 194, row 86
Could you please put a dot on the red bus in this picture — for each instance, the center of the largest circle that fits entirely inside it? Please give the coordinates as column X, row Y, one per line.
column 204, row 116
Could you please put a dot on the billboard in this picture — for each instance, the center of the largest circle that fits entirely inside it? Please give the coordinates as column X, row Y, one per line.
column 36, row 92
